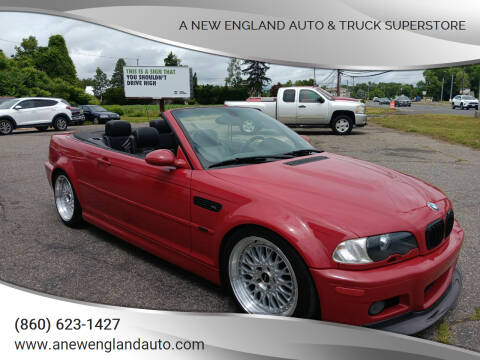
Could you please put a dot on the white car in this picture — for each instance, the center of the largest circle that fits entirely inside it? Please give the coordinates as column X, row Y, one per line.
column 464, row 102
column 36, row 112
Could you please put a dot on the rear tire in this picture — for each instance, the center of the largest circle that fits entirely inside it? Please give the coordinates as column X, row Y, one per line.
column 60, row 123
column 277, row 282
column 66, row 201
column 6, row 127
column 342, row 125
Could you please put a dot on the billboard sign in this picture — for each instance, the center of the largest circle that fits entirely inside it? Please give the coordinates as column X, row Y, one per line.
column 157, row 82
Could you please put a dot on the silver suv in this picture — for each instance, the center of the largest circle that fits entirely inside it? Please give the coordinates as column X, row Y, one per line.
column 40, row 113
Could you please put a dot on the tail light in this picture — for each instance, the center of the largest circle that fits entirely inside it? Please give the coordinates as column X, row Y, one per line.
column 69, row 108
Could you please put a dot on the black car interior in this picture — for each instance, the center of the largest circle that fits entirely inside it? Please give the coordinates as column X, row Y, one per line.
column 119, row 136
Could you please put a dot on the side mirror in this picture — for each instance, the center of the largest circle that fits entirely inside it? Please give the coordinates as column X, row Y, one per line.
column 17, row 107
column 164, row 157
column 306, row 138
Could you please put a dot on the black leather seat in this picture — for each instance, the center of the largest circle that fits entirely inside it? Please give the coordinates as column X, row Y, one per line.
column 116, row 133
column 142, row 141
column 167, row 137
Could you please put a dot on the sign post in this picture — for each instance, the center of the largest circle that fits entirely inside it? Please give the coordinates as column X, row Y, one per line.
column 157, row 83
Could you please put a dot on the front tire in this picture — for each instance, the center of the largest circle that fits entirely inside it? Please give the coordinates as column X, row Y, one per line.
column 60, row 123
column 66, row 201
column 342, row 125
column 267, row 276
column 453, row 106
column 461, row 106
column 6, row 127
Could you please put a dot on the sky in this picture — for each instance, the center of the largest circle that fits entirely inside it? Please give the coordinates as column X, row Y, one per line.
column 91, row 46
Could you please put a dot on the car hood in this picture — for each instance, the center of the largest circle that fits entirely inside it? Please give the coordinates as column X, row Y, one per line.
column 336, row 190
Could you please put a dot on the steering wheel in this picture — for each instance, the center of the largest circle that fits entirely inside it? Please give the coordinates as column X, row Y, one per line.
column 251, row 141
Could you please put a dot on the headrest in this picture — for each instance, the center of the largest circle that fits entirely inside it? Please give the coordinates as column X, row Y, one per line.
column 206, row 137
column 161, row 125
column 146, row 137
column 118, row 128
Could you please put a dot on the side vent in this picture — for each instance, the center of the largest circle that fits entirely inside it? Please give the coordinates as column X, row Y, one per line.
column 305, row 161
column 207, row 204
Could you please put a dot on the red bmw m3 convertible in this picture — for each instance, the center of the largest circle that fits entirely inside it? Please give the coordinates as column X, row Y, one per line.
column 289, row 229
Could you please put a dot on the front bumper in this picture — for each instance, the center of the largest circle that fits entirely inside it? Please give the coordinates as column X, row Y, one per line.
column 471, row 105
column 360, row 119
column 411, row 286
column 414, row 322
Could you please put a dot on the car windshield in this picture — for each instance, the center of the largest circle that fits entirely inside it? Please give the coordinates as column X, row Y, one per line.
column 468, row 97
column 402, row 97
column 96, row 108
column 224, row 136
column 8, row 104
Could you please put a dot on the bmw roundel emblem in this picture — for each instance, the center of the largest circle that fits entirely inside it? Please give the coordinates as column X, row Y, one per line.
column 433, row 206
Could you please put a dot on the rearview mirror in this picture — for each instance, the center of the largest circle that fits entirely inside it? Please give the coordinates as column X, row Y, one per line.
column 164, row 157
column 17, row 107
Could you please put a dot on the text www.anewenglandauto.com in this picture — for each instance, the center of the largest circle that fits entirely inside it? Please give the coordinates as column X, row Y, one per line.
column 110, row 345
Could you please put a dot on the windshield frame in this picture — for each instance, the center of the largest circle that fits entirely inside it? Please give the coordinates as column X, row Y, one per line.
column 208, row 165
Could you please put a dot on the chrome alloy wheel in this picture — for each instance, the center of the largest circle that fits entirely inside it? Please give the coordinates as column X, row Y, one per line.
column 61, row 124
column 342, row 125
column 64, row 198
column 5, row 127
column 262, row 278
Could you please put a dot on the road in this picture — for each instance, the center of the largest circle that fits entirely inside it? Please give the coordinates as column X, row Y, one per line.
column 427, row 109
column 38, row 252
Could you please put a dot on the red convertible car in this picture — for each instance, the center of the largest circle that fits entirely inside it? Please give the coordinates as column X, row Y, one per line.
column 289, row 229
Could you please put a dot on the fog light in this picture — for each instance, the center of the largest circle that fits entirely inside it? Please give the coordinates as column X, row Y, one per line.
column 376, row 308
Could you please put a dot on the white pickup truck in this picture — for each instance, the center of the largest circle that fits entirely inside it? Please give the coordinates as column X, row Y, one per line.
column 304, row 106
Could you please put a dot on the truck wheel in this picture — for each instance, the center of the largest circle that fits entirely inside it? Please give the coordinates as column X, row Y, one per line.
column 66, row 201
column 248, row 126
column 6, row 127
column 42, row 128
column 60, row 123
column 342, row 125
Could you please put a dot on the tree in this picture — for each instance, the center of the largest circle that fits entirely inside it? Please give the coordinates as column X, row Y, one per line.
column 100, row 84
column 27, row 49
column 55, row 60
column 117, row 76
column 172, row 60
column 274, row 89
column 256, row 76
column 234, row 73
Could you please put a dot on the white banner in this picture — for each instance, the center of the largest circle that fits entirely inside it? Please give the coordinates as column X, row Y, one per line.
column 157, row 82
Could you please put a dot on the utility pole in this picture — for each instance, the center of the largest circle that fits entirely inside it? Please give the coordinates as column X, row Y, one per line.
column 463, row 79
column 338, row 82
column 441, row 93
column 314, row 78
column 451, row 88
column 137, row 61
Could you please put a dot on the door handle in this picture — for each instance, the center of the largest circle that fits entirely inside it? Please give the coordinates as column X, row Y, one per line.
column 104, row 161
column 302, row 106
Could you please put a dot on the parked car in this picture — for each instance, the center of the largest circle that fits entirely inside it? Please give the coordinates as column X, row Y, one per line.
column 40, row 113
column 289, row 229
column 375, row 99
column 464, row 102
column 402, row 100
column 304, row 106
column 77, row 115
column 98, row 114
column 384, row 101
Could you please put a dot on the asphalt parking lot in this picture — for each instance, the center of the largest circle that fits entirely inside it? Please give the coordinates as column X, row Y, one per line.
column 421, row 108
column 38, row 252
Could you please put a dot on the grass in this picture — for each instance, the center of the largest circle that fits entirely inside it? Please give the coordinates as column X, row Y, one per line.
column 456, row 129
column 443, row 333
column 138, row 111
column 476, row 316
column 380, row 110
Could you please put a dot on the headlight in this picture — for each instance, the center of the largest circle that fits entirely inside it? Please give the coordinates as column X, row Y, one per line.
column 374, row 248
column 360, row 109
